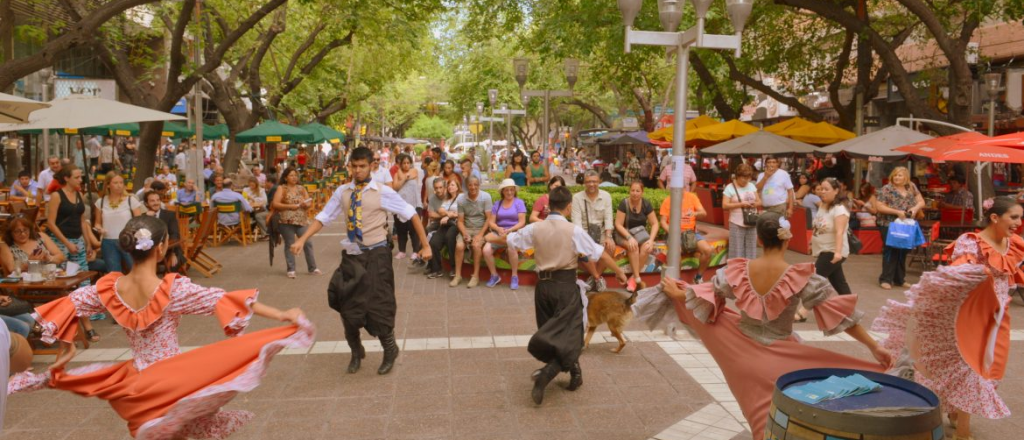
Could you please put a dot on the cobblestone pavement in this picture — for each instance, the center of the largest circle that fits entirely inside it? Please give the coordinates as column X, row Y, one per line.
column 464, row 372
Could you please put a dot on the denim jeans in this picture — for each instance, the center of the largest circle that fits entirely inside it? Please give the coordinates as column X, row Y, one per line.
column 116, row 259
column 20, row 324
column 289, row 232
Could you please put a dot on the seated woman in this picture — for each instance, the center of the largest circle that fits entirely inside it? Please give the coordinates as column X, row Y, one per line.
column 803, row 187
column 635, row 213
column 22, row 243
column 540, row 209
column 507, row 216
column 162, row 392
column 756, row 345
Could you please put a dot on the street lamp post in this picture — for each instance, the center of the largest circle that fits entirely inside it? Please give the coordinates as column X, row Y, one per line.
column 993, row 81
column 492, row 96
column 508, row 128
column 522, row 70
column 670, row 13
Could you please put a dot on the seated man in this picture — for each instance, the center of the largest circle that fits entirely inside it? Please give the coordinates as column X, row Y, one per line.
column 474, row 209
column 188, row 194
column 228, row 195
column 26, row 187
column 592, row 210
column 958, row 197
column 154, row 207
column 167, row 177
column 691, row 211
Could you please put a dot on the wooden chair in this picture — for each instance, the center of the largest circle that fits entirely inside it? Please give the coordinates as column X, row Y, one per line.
column 189, row 217
column 239, row 232
column 194, row 254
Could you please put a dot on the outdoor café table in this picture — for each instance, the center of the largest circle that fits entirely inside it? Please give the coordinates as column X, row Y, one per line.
column 46, row 291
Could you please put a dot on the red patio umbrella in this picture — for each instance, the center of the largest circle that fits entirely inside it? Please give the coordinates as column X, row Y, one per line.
column 1012, row 140
column 964, row 147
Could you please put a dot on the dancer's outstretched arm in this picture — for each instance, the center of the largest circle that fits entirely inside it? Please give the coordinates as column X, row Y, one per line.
column 881, row 354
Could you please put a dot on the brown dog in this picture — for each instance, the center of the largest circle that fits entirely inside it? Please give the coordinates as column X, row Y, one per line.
column 612, row 309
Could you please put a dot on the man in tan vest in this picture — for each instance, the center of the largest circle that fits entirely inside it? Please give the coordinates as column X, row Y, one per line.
column 558, row 246
column 362, row 289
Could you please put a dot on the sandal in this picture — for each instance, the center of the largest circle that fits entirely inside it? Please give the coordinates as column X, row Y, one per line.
column 92, row 336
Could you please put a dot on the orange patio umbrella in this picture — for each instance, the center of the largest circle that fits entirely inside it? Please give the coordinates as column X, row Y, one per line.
column 780, row 127
column 713, row 134
column 667, row 133
column 821, row 133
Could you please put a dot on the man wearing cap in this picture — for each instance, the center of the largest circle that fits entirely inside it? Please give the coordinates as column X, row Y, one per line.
column 558, row 299
column 362, row 289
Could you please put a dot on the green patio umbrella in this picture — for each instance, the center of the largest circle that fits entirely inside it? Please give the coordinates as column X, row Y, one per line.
column 323, row 133
column 177, row 130
column 273, row 131
column 215, row 132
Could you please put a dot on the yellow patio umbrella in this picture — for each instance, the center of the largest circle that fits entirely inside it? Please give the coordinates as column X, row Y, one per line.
column 667, row 133
column 790, row 123
column 713, row 134
column 821, row 133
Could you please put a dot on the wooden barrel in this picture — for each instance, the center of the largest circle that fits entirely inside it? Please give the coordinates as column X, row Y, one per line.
column 865, row 417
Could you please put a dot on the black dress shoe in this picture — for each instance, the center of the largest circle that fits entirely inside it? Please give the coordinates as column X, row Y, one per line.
column 390, row 353
column 576, row 377
column 541, row 379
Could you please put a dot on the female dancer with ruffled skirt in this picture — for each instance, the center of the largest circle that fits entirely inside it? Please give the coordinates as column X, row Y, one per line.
column 163, row 393
column 757, row 345
column 954, row 324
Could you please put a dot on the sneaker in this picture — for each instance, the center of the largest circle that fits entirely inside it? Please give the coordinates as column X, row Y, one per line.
column 433, row 275
column 415, row 257
column 495, row 279
column 473, row 282
column 451, row 274
column 600, row 285
column 291, row 274
column 697, row 279
column 400, row 255
column 514, row 285
column 455, row 281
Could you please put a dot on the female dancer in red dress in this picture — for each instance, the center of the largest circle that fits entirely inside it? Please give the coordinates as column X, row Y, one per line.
column 163, row 393
column 756, row 345
column 954, row 324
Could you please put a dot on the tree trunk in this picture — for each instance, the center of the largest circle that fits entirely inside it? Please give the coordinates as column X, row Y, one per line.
column 149, row 143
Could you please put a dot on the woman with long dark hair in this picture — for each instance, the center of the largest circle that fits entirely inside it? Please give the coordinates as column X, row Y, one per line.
column 69, row 228
column 516, row 169
column 291, row 202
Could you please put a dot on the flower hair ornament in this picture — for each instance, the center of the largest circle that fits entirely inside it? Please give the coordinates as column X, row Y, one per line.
column 987, row 204
column 784, row 232
column 143, row 239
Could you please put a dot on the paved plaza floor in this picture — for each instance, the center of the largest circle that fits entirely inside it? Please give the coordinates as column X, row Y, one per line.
column 464, row 372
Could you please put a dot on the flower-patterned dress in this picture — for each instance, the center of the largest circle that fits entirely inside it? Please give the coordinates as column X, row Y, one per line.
column 955, row 327
column 756, row 345
column 163, row 393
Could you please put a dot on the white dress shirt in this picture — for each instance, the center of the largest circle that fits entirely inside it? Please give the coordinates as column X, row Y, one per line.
column 390, row 201
column 523, row 239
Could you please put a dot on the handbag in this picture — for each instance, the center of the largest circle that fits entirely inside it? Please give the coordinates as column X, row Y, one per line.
column 596, row 232
column 749, row 215
column 640, row 234
column 855, row 244
column 689, row 241
column 16, row 307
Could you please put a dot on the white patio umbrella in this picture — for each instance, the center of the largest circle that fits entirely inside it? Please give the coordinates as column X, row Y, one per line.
column 14, row 109
column 877, row 146
column 80, row 111
column 759, row 143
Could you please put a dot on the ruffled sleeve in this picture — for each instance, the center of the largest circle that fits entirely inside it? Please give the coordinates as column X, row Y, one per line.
column 707, row 300
column 59, row 318
column 834, row 313
column 232, row 309
column 964, row 250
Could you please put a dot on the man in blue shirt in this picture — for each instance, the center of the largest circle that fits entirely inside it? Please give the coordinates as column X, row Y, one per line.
column 188, row 193
column 228, row 195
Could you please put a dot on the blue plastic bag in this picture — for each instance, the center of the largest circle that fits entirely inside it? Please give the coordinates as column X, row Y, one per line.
column 904, row 234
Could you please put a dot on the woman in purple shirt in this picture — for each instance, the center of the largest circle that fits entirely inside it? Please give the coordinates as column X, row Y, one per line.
column 507, row 215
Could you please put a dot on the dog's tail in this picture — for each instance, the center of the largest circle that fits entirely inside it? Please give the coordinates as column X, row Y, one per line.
column 631, row 300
